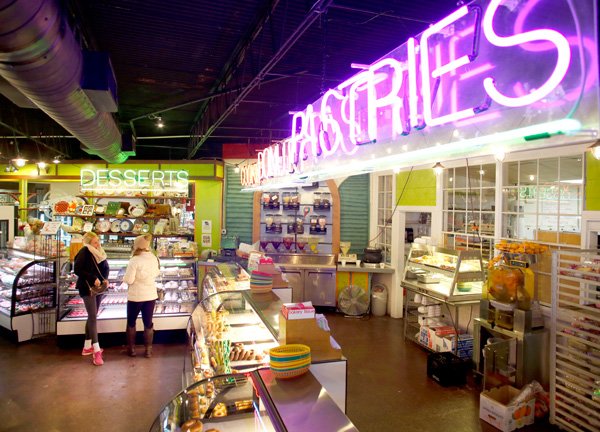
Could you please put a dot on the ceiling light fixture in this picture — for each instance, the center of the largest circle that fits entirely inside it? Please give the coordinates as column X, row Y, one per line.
column 236, row 169
column 42, row 164
column 595, row 149
column 438, row 168
column 56, row 160
column 19, row 161
column 159, row 122
column 499, row 155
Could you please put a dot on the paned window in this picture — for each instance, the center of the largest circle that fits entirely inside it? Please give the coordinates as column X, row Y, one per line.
column 384, row 216
column 469, row 208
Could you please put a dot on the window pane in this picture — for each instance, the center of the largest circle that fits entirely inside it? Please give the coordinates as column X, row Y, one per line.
column 488, row 199
column 548, row 223
column 526, row 226
column 448, row 199
column 488, row 179
column 548, row 170
column 548, row 199
column 511, row 175
column 571, row 168
column 448, row 218
column 460, row 199
column 474, row 200
column 570, row 224
column 570, row 199
column 448, row 178
column 474, row 177
column 460, row 177
column 528, row 173
column 460, row 220
column 510, row 199
column 509, row 226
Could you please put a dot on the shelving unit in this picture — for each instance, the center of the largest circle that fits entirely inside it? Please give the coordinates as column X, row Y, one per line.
column 440, row 282
column 575, row 341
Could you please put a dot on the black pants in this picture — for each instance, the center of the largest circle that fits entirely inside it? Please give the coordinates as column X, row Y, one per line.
column 147, row 309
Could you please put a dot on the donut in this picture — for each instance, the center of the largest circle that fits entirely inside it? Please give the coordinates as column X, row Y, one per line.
column 192, row 426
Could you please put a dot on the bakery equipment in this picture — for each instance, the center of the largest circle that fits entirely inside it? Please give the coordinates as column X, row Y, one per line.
column 372, row 255
column 346, row 258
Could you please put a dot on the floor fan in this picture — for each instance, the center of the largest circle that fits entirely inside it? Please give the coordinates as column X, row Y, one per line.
column 353, row 301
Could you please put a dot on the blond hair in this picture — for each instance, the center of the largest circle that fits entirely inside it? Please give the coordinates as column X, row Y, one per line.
column 88, row 237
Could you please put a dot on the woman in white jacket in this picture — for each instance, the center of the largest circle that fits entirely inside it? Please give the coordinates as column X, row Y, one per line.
column 140, row 276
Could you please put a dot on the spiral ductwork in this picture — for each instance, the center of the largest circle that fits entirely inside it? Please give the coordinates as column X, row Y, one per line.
column 40, row 57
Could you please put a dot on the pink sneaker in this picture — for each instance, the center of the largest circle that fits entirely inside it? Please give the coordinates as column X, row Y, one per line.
column 89, row 351
column 97, row 359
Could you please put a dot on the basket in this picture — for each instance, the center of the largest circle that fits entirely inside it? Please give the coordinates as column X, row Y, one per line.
column 289, row 361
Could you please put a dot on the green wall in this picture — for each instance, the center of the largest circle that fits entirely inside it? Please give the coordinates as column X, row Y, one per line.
column 592, row 183
column 416, row 188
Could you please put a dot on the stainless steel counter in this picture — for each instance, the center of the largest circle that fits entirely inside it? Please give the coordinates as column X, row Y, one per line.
column 355, row 269
column 304, row 405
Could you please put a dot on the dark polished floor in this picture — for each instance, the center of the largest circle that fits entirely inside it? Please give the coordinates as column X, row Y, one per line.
column 52, row 388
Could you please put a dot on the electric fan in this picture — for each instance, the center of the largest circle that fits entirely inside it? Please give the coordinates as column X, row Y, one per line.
column 353, row 301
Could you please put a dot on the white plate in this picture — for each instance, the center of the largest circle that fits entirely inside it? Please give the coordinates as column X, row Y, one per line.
column 115, row 226
column 103, row 226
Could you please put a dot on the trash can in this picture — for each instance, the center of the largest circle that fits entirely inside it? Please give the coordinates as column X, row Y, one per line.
column 379, row 300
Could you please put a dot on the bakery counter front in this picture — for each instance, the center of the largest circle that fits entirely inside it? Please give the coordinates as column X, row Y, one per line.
column 254, row 401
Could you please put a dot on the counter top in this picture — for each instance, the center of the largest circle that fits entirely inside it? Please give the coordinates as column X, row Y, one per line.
column 355, row 269
column 303, row 405
column 306, row 266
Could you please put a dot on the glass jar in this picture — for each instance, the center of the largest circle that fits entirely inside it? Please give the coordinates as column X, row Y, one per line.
column 317, row 200
column 266, row 198
column 326, row 200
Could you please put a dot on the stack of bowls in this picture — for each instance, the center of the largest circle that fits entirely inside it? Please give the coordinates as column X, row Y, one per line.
column 289, row 361
column 261, row 282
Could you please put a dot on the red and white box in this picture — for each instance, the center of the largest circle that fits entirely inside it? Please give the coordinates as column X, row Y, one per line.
column 296, row 311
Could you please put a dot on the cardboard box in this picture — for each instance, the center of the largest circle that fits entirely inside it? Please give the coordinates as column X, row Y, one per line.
column 494, row 409
column 296, row 311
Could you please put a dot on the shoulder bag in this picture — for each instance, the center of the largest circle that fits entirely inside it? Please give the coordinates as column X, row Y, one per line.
column 98, row 289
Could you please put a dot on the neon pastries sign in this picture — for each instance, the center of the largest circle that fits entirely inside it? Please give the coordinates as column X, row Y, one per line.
column 486, row 69
column 134, row 180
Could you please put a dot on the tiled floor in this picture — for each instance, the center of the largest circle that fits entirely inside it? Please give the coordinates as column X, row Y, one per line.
column 44, row 387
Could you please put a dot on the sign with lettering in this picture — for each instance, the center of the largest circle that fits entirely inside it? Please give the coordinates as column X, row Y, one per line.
column 132, row 180
column 493, row 75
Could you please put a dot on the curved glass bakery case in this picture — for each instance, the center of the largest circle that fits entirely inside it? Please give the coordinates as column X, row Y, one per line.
column 231, row 331
column 253, row 401
column 27, row 286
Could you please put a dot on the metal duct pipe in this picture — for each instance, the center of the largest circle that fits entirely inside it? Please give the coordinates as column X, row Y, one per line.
column 41, row 58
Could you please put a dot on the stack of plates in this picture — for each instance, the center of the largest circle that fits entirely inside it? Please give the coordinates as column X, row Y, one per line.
column 289, row 361
column 261, row 282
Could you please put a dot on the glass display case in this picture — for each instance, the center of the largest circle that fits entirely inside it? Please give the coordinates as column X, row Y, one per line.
column 231, row 331
column 27, row 285
column 177, row 297
column 225, row 276
column 254, row 401
column 446, row 274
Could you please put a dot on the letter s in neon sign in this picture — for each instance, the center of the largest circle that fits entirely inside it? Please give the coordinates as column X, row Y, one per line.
column 560, row 70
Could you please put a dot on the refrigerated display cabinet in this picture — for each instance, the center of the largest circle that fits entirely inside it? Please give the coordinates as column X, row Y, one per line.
column 254, row 401
column 177, row 297
column 27, row 293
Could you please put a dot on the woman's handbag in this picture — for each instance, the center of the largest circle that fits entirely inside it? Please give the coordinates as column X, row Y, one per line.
column 98, row 289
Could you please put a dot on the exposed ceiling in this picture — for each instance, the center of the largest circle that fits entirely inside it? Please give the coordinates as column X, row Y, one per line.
column 218, row 72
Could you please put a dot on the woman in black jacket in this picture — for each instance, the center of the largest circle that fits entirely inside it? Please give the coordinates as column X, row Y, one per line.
column 91, row 268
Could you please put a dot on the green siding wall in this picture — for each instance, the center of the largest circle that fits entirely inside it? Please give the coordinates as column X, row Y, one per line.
column 354, row 212
column 238, row 207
